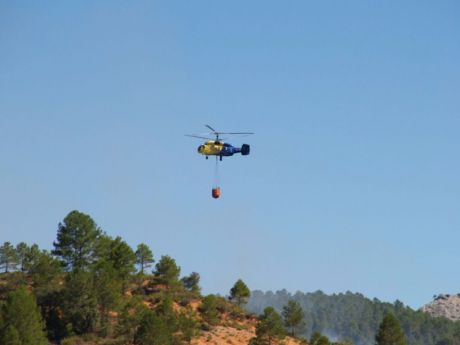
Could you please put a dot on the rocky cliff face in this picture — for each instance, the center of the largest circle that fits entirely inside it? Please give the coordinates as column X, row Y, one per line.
column 444, row 305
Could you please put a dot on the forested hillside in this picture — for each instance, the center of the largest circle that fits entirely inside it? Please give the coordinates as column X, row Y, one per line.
column 93, row 289
column 353, row 316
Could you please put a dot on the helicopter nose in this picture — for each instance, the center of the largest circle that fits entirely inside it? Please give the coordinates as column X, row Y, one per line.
column 200, row 148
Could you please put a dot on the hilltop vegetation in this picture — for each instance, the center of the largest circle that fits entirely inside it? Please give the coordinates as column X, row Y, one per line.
column 354, row 317
column 95, row 289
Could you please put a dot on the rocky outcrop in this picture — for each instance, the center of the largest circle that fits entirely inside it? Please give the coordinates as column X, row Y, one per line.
column 444, row 305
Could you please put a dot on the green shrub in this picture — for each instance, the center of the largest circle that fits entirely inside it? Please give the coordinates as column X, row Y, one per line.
column 75, row 340
column 208, row 309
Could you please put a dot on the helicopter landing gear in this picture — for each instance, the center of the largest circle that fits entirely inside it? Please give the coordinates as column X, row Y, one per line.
column 220, row 158
column 207, row 157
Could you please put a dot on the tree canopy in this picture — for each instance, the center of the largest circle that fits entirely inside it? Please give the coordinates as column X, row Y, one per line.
column 8, row 257
column 240, row 293
column 144, row 257
column 270, row 327
column 21, row 250
column 293, row 316
column 22, row 321
column 192, row 282
column 167, row 270
column 76, row 240
column 390, row 332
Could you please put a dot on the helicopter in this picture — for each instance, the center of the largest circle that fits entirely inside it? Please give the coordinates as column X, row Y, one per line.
column 217, row 147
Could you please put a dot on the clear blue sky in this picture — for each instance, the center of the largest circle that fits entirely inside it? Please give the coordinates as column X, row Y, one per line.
column 353, row 180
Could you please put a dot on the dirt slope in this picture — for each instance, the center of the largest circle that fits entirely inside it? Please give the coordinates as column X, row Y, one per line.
column 226, row 335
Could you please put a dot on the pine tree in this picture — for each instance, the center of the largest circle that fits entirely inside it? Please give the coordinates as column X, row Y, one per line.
column 240, row 293
column 167, row 271
column 192, row 282
column 45, row 271
column 80, row 302
column 32, row 256
column 123, row 258
column 293, row 317
column 22, row 250
column 144, row 257
column 390, row 332
column 108, row 292
column 270, row 327
column 22, row 319
column 118, row 254
column 76, row 240
column 8, row 257
column 130, row 319
column 154, row 330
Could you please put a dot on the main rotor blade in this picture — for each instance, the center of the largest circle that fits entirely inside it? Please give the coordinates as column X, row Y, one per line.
column 197, row 136
column 212, row 129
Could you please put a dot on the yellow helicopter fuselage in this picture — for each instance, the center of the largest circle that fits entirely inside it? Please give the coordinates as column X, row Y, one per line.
column 211, row 148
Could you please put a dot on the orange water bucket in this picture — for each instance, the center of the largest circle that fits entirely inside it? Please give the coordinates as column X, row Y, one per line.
column 216, row 192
